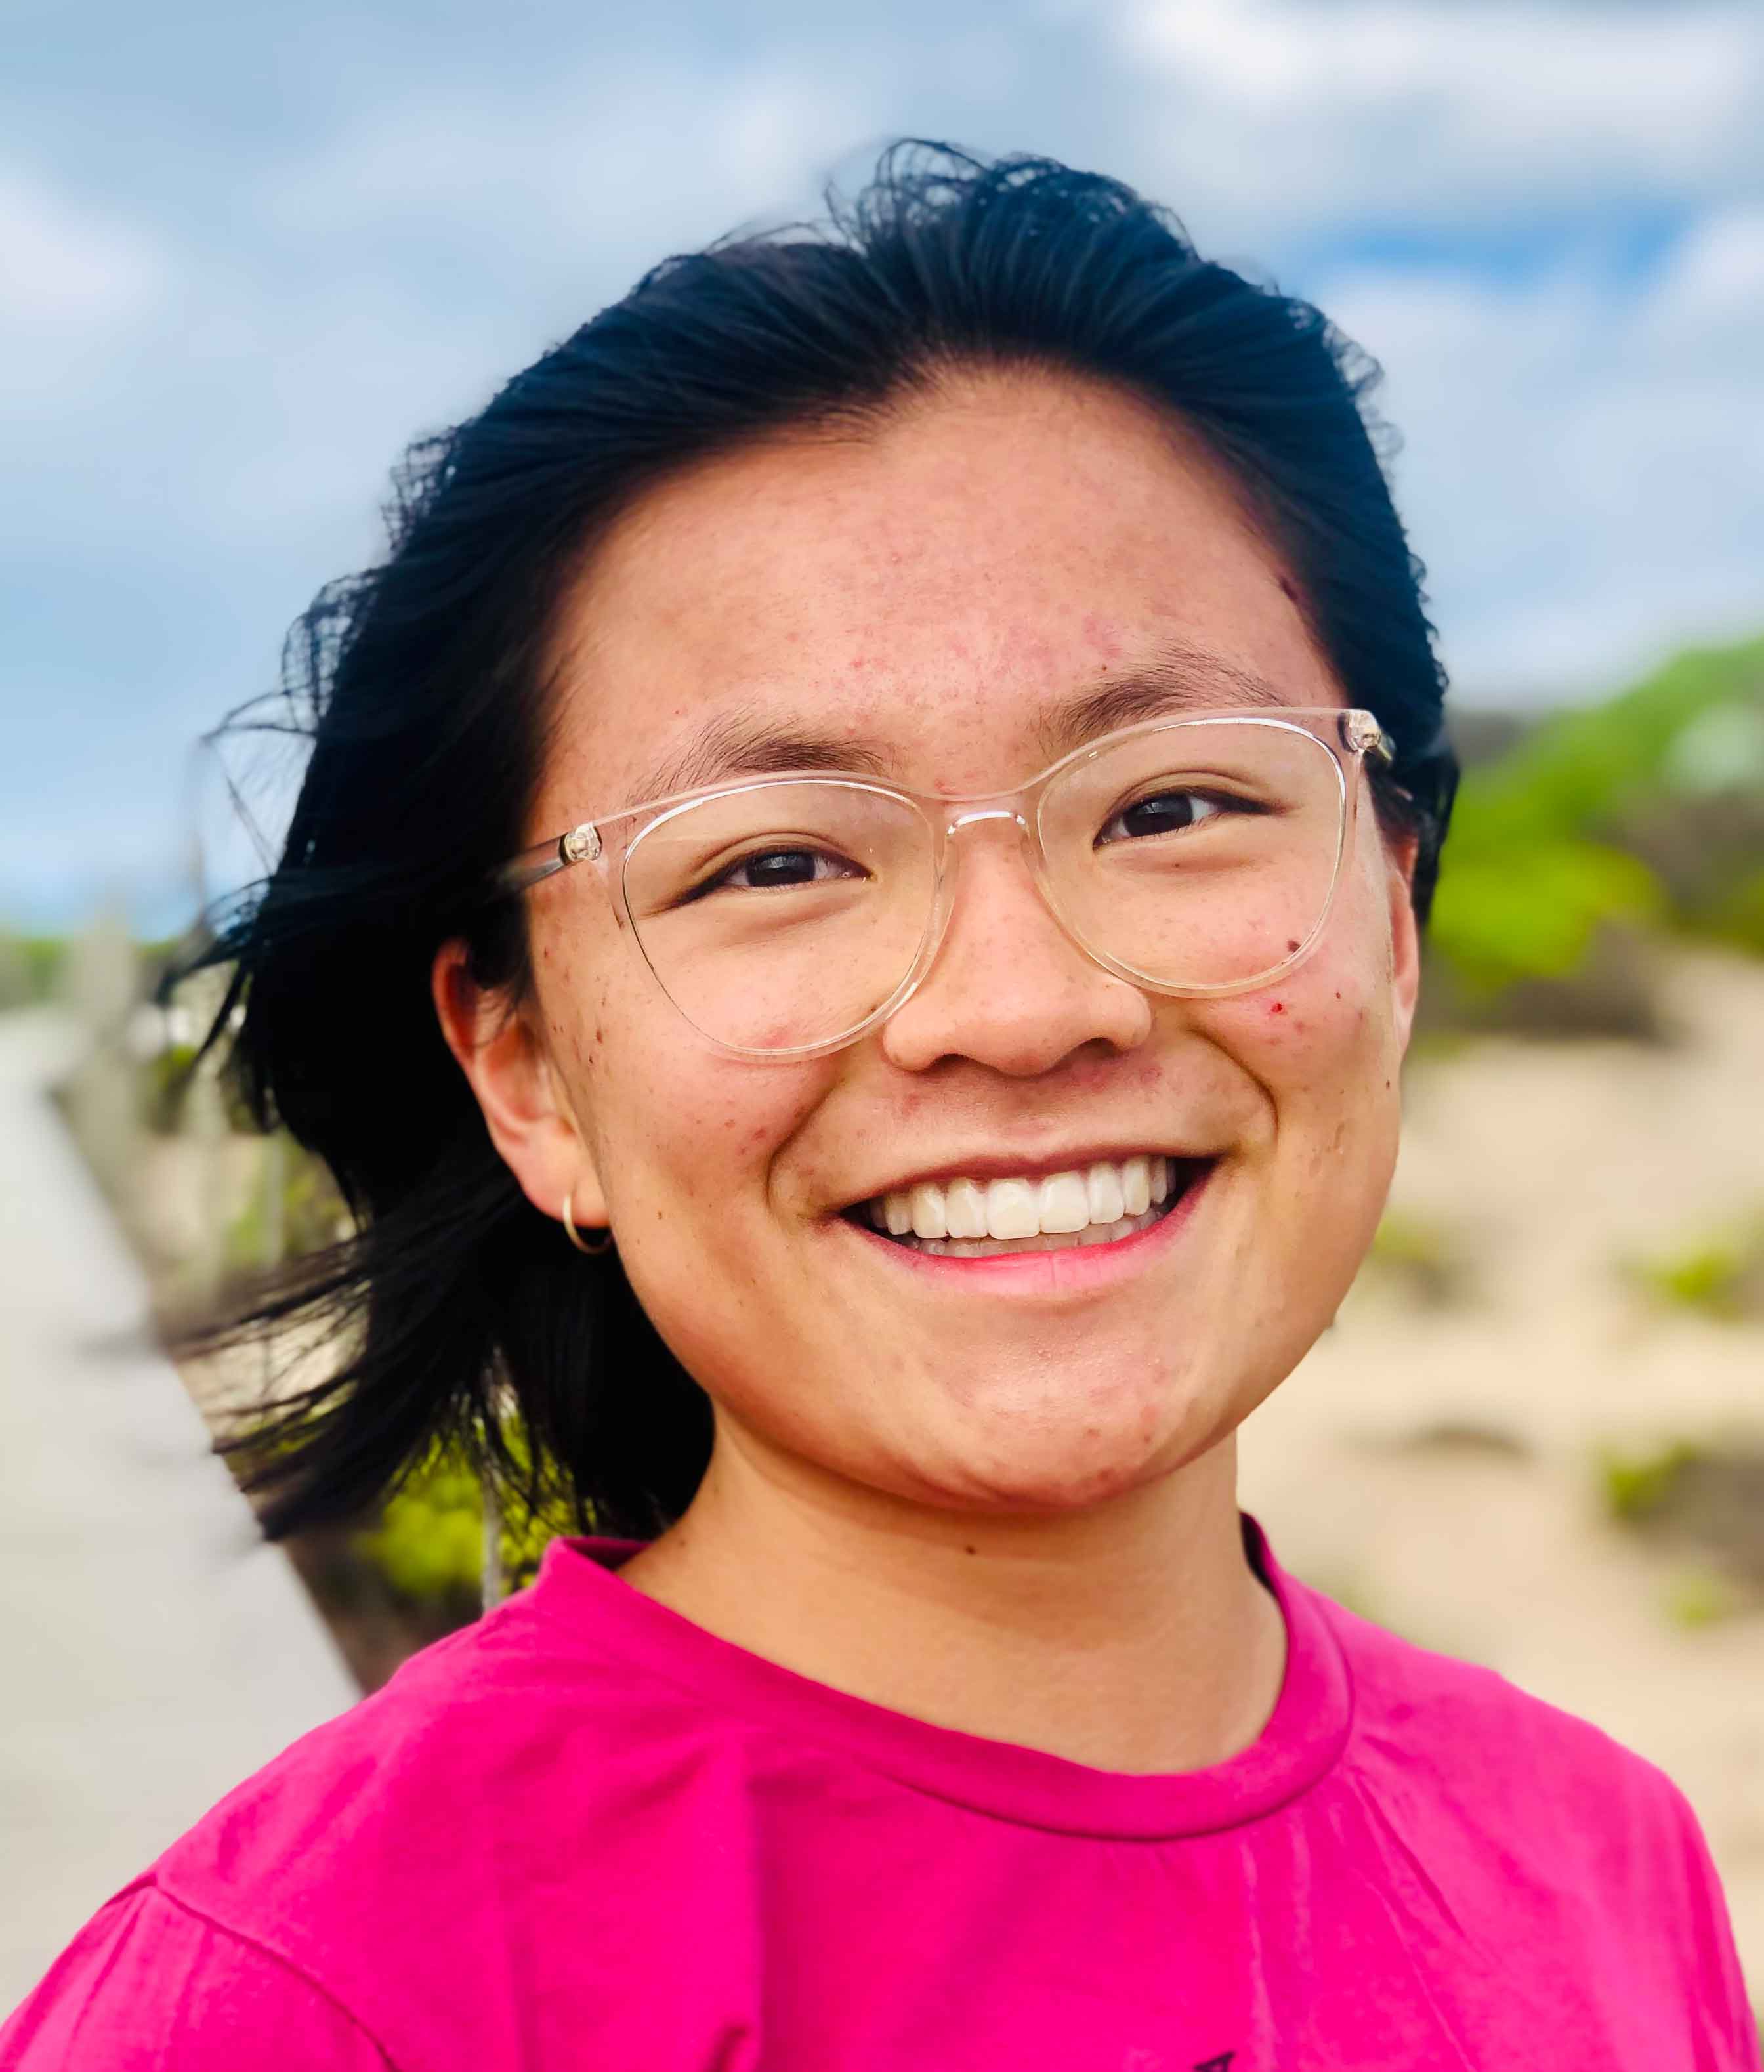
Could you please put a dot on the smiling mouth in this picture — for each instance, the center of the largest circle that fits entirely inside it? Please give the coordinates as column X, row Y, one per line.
column 1104, row 1203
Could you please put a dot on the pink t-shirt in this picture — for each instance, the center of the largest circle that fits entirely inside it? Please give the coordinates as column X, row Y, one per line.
column 587, row 1836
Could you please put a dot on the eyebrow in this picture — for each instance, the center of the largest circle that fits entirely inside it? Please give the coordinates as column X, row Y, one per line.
column 749, row 743
column 1180, row 678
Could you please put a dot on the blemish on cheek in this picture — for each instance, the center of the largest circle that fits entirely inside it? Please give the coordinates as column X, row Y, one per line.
column 1290, row 946
column 970, row 1550
column 1277, row 1007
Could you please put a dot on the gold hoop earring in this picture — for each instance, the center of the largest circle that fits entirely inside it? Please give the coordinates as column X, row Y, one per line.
column 576, row 1239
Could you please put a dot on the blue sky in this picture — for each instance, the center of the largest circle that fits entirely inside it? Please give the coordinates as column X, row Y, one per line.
column 247, row 253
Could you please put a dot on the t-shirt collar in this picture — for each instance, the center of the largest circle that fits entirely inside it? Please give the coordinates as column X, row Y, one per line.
column 580, row 1601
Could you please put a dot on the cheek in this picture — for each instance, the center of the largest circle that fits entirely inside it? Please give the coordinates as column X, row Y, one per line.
column 1323, row 1045
column 684, row 1133
column 678, row 1132
column 1329, row 1012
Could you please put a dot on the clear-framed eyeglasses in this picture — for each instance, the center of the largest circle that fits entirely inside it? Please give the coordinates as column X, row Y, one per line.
column 786, row 916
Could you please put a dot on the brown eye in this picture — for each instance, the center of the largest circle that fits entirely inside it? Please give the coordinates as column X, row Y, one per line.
column 782, row 869
column 1163, row 812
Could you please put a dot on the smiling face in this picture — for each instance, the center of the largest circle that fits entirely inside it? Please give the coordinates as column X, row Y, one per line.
column 925, row 594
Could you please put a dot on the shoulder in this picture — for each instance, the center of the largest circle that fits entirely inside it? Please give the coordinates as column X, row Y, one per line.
column 404, row 1862
column 149, row 1981
column 1489, row 1757
column 1578, row 1839
column 485, row 1746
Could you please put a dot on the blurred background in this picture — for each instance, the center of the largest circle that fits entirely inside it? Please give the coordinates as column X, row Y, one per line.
column 246, row 254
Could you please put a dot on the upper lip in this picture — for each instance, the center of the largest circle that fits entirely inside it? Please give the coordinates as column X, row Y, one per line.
column 1024, row 1166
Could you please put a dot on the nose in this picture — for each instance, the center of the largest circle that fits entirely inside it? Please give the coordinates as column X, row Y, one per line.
column 1009, row 988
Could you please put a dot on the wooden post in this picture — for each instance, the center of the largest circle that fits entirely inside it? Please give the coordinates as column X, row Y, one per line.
column 495, row 1586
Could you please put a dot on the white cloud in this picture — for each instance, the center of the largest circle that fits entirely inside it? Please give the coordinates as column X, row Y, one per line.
column 1281, row 112
column 77, row 286
column 622, row 163
column 1715, row 288
column 1582, row 459
column 67, row 269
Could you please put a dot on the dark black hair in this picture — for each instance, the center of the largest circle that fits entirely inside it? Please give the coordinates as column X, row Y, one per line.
column 420, row 685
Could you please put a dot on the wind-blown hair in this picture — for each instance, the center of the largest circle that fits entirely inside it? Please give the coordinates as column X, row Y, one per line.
column 421, row 687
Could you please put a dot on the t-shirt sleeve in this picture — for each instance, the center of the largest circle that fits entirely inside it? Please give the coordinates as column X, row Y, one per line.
column 150, row 1983
column 1727, row 2028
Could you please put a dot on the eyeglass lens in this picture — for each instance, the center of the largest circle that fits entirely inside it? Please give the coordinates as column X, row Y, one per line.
column 785, row 916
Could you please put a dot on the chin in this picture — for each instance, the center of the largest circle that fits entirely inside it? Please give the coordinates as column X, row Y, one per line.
column 1049, row 1460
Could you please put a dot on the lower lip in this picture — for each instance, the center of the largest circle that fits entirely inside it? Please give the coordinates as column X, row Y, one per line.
column 1072, row 1269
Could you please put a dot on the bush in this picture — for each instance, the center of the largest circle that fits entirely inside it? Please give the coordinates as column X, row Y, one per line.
column 428, row 1543
column 1706, row 1496
column 1639, row 1486
column 1645, row 810
column 1419, row 1256
column 1719, row 1275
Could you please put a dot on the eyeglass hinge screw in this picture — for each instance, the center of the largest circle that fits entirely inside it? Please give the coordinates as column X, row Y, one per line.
column 581, row 844
column 1364, row 732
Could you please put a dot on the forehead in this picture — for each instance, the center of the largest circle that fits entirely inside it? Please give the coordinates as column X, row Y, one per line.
column 926, row 595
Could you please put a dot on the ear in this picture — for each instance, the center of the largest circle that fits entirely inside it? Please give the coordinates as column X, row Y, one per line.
column 524, row 1108
column 1400, row 853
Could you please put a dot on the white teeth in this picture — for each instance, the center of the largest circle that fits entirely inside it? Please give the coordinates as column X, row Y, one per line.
column 1013, row 1209
column 1065, row 1204
column 964, row 1205
column 972, row 1219
column 992, row 1247
column 1102, row 1187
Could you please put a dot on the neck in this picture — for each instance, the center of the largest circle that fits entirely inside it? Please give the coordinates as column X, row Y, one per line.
column 1132, row 1636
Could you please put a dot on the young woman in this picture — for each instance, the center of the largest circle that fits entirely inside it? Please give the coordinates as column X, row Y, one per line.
column 849, row 934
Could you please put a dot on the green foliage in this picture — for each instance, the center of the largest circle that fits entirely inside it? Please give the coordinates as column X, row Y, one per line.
column 1719, row 1274
column 1737, row 917
column 165, row 1080
column 1608, row 814
column 1636, row 1486
column 1419, row 1255
column 30, row 968
column 1533, row 913
column 1700, row 1598
column 429, row 1543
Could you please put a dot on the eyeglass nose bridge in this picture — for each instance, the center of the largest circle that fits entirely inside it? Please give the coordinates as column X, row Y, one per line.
column 1014, row 816
column 960, row 820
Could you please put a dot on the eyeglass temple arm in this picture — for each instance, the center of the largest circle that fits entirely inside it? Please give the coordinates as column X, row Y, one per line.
column 530, row 867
